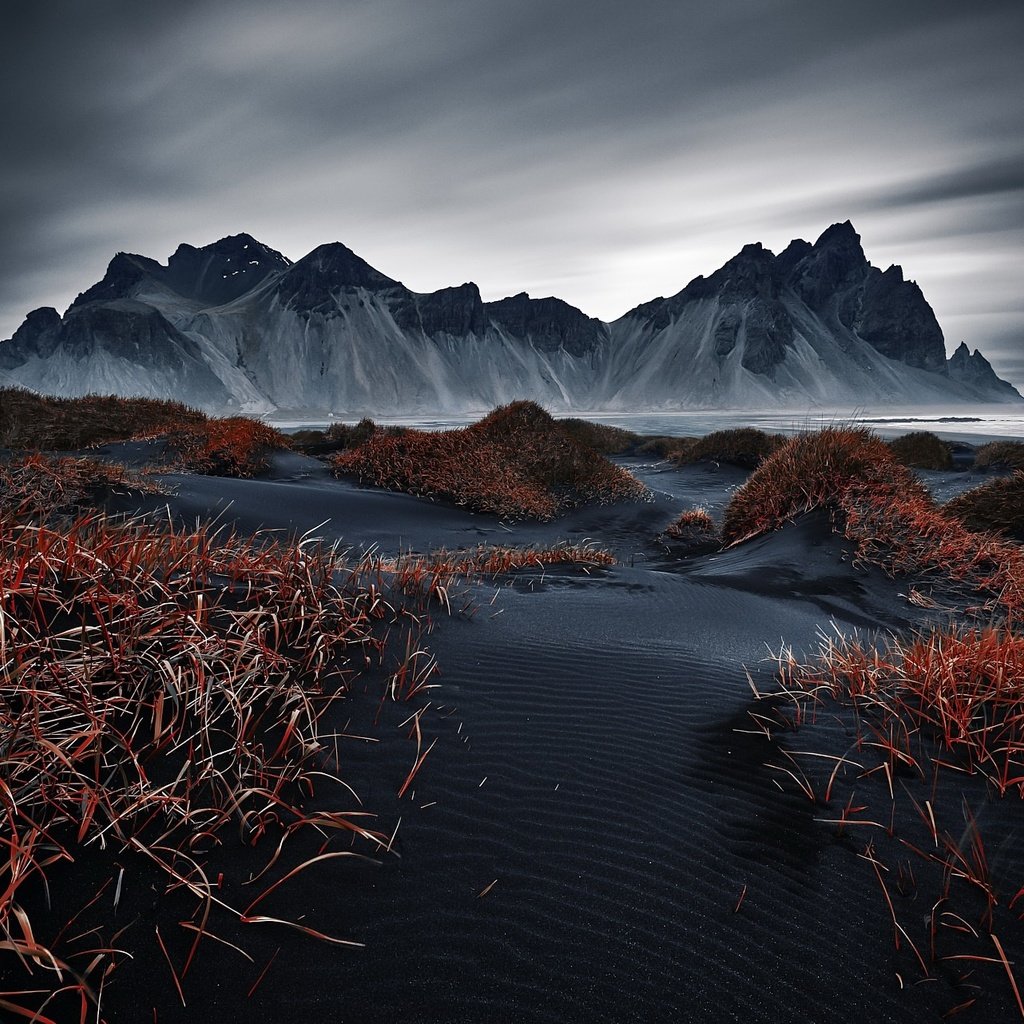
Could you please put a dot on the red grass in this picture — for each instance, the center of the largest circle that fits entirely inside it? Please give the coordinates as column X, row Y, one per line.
column 235, row 446
column 743, row 446
column 947, row 700
column 41, row 422
column 695, row 526
column 882, row 507
column 40, row 485
column 515, row 463
column 162, row 690
column 997, row 506
column 964, row 686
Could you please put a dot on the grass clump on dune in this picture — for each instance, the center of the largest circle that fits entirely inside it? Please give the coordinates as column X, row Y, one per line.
column 997, row 506
column 941, row 713
column 40, row 486
column 233, row 446
column 948, row 701
column 516, row 463
column 666, row 447
column 39, row 422
column 338, row 437
column 607, row 440
column 694, row 530
column 236, row 446
column 1000, row 455
column 922, row 449
column 882, row 507
column 812, row 470
column 746, row 447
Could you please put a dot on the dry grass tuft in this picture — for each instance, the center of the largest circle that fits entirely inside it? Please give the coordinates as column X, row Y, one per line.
column 236, row 446
column 880, row 506
column 163, row 691
column 37, row 422
column 964, row 687
column 674, row 448
column 515, row 463
column 745, row 446
column 933, row 713
column 159, row 690
column 997, row 506
column 694, row 529
column 38, row 487
column 601, row 437
column 812, row 470
column 1000, row 455
column 921, row 449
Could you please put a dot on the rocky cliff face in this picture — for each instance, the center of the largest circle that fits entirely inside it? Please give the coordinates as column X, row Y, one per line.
column 235, row 325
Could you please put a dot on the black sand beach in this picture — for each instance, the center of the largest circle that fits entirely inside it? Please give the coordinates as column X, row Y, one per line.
column 601, row 832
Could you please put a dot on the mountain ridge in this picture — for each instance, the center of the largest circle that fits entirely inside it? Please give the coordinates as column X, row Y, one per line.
column 236, row 326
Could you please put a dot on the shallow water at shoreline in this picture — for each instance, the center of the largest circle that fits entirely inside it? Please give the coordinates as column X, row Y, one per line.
column 973, row 424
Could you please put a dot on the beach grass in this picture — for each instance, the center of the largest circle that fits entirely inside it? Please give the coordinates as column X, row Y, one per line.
column 879, row 505
column 516, row 463
column 695, row 529
column 921, row 449
column 44, row 423
column 1000, row 455
column 235, row 446
column 746, row 447
column 165, row 689
column 996, row 506
column 602, row 437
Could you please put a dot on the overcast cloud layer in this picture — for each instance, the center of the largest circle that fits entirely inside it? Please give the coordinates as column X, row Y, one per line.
column 600, row 151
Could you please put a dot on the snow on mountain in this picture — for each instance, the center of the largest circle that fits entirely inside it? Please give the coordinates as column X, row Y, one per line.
column 234, row 326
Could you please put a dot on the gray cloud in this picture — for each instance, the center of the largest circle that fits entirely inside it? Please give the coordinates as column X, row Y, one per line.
column 601, row 151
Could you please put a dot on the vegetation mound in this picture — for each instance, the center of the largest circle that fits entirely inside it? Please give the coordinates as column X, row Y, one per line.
column 882, row 507
column 602, row 437
column 1000, row 455
column 39, row 487
column 745, row 446
column 812, row 470
column 517, row 462
column 236, row 446
column 666, row 447
column 921, row 449
column 38, row 422
column 337, row 437
column 997, row 505
column 694, row 531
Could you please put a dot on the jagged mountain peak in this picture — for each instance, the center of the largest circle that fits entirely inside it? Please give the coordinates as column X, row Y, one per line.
column 312, row 284
column 840, row 233
column 241, row 246
column 222, row 271
column 549, row 323
column 210, row 275
column 974, row 370
column 831, row 265
column 233, row 324
column 124, row 273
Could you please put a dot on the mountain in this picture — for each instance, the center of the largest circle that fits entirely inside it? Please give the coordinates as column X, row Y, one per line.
column 235, row 326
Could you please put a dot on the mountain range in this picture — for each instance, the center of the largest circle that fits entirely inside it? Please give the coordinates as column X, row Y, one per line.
column 235, row 326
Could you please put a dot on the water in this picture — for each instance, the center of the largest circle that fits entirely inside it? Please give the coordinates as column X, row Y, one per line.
column 974, row 424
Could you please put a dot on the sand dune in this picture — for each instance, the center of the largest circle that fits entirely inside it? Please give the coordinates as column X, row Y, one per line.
column 600, row 832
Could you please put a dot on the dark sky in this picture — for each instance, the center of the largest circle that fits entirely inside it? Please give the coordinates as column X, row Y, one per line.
column 605, row 152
